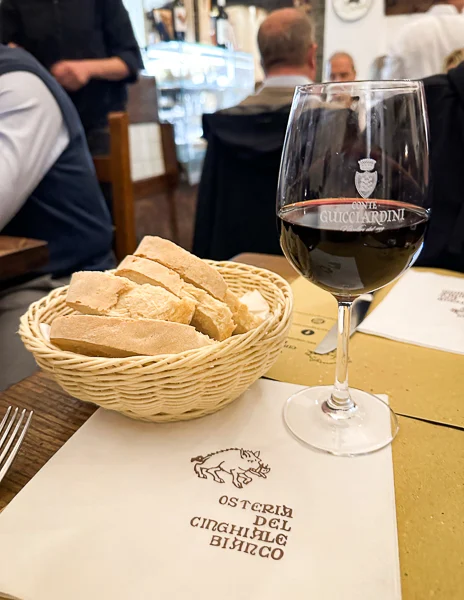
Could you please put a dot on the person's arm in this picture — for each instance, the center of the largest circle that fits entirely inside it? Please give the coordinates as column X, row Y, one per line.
column 113, row 69
column 32, row 137
column 119, row 37
column 74, row 74
column 10, row 24
column 124, row 62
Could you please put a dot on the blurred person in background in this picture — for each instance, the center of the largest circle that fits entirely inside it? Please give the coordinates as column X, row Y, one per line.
column 287, row 47
column 453, row 60
column 422, row 46
column 377, row 68
column 236, row 196
column 48, row 191
column 90, row 48
column 340, row 67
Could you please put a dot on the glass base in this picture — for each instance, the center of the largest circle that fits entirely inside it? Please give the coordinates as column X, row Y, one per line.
column 369, row 426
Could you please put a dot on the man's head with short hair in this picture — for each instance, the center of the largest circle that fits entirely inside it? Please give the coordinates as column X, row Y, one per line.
column 341, row 67
column 286, row 43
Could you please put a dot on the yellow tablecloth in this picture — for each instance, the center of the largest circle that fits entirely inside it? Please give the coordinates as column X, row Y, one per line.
column 428, row 459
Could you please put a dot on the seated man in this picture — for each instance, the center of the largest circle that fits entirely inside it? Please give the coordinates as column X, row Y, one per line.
column 242, row 161
column 340, row 67
column 48, row 191
column 288, row 56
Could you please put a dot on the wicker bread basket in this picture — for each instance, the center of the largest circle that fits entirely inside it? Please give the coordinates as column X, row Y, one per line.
column 169, row 387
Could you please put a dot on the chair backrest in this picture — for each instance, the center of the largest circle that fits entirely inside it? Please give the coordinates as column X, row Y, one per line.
column 153, row 151
column 142, row 162
column 115, row 169
column 236, row 198
column 142, row 104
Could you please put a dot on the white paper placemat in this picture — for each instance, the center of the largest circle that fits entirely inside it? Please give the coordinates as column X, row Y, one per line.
column 423, row 309
column 135, row 511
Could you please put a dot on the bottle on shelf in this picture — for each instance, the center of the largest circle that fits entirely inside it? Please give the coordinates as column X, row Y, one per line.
column 179, row 20
column 222, row 25
column 159, row 28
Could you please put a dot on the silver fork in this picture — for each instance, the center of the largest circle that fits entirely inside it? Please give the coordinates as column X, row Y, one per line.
column 12, row 428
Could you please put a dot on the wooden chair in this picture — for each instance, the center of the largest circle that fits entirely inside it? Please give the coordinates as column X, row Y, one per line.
column 143, row 116
column 115, row 169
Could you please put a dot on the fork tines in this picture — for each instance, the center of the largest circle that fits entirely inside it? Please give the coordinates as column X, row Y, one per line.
column 13, row 429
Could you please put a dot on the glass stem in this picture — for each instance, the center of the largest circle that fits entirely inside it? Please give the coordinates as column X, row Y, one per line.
column 340, row 399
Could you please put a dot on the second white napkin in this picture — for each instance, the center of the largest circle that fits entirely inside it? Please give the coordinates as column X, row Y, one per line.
column 425, row 309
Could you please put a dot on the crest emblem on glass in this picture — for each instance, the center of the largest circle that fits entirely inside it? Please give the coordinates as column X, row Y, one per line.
column 366, row 180
column 352, row 208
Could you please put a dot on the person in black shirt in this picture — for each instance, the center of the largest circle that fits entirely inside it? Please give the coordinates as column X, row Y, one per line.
column 88, row 45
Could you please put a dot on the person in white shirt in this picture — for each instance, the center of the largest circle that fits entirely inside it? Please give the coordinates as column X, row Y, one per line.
column 287, row 47
column 33, row 136
column 422, row 46
column 48, row 191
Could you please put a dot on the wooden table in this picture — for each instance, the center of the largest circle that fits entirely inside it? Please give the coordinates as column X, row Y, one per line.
column 20, row 256
column 427, row 570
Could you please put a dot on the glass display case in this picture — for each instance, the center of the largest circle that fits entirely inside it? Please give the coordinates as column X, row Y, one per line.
column 193, row 79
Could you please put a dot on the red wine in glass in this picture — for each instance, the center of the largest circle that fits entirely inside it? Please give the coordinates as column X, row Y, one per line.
column 348, row 246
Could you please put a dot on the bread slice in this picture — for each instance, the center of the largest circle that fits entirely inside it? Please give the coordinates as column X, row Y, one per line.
column 144, row 271
column 191, row 268
column 244, row 319
column 97, row 293
column 211, row 316
column 141, row 270
column 113, row 337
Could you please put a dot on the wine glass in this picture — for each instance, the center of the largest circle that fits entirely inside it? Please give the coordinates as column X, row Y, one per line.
column 352, row 208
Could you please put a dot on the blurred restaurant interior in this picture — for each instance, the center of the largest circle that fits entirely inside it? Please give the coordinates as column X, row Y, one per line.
column 196, row 76
column 206, row 205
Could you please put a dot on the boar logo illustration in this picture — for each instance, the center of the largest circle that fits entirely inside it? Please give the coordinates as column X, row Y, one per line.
column 240, row 464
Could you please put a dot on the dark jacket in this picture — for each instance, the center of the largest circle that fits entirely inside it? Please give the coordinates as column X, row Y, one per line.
column 66, row 209
column 54, row 30
column 237, row 195
column 444, row 245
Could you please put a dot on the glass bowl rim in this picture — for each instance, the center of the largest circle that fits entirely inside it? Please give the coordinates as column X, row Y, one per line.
column 396, row 85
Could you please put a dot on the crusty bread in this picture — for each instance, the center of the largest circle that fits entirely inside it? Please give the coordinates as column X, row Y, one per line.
column 191, row 268
column 211, row 316
column 117, row 338
column 96, row 293
column 141, row 270
column 244, row 319
column 196, row 272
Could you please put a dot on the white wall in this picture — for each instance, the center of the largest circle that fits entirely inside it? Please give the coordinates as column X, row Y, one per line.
column 364, row 39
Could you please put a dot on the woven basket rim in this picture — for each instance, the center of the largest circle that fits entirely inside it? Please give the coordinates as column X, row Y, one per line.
column 48, row 350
